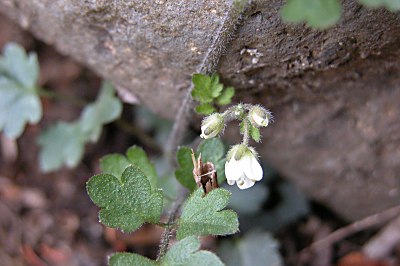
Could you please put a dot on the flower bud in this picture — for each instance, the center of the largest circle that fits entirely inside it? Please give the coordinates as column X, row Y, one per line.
column 212, row 125
column 259, row 116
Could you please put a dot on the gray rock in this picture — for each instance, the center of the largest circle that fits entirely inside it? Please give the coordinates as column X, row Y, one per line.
column 335, row 93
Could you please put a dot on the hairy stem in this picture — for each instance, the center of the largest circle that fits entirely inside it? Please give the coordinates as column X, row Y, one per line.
column 207, row 66
column 246, row 131
column 173, row 213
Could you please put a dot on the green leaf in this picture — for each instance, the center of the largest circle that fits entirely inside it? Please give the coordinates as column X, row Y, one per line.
column 206, row 88
column 184, row 172
column 213, row 150
column 216, row 87
column 205, row 109
column 248, row 201
column 255, row 133
column 226, row 96
column 60, row 144
column 107, row 108
column 114, row 164
column 128, row 259
column 64, row 143
column 19, row 102
column 138, row 157
column 202, row 88
column 392, row 5
column 126, row 203
column 203, row 215
column 316, row 13
column 20, row 67
column 184, row 252
column 241, row 253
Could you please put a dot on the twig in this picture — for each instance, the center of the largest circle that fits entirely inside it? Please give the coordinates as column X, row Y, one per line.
column 384, row 242
column 370, row 221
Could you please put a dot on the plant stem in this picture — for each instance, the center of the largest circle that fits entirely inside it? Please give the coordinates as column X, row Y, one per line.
column 207, row 66
column 170, row 224
column 61, row 96
column 246, row 131
column 139, row 133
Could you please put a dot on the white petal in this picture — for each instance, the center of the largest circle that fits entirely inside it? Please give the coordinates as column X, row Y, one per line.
column 231, row 182
column 244, row 183
column 252, row 169
column 258, row 119
column 233, row 170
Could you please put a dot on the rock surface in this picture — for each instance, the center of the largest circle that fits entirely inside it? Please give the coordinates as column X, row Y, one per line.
column 335, row 93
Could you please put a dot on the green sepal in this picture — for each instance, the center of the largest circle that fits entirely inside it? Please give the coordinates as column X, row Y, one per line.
column 255, row 133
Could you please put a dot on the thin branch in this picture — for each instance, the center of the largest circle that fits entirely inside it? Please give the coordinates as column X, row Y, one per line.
column 370, row 221
column 383, row 243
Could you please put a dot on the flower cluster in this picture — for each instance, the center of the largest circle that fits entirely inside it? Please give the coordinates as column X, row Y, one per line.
column 242, row 166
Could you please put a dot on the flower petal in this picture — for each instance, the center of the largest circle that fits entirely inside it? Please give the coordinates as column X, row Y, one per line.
column 231, row 182
column 244, row 183
column 233, row 170
column 252, row 168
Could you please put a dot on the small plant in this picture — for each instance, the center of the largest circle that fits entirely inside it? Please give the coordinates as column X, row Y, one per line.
column 63, row 143
column 209, row 92
column 322, row 14
column 128, row 196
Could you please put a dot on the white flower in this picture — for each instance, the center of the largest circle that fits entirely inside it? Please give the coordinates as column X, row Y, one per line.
column 259, row 116
column 242, row 167
column 212, row 125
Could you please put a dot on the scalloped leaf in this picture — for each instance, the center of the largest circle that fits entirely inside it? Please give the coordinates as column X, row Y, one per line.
column 185, row 252
column 128, row 202
column 64, row 143
column 19, row 101
column 204, row 215
column 115, row 164
column 316, row 13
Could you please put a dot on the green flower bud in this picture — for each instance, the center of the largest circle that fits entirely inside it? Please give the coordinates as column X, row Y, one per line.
column 212, row 125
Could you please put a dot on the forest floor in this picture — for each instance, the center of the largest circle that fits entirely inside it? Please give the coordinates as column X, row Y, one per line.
column 48, row 219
